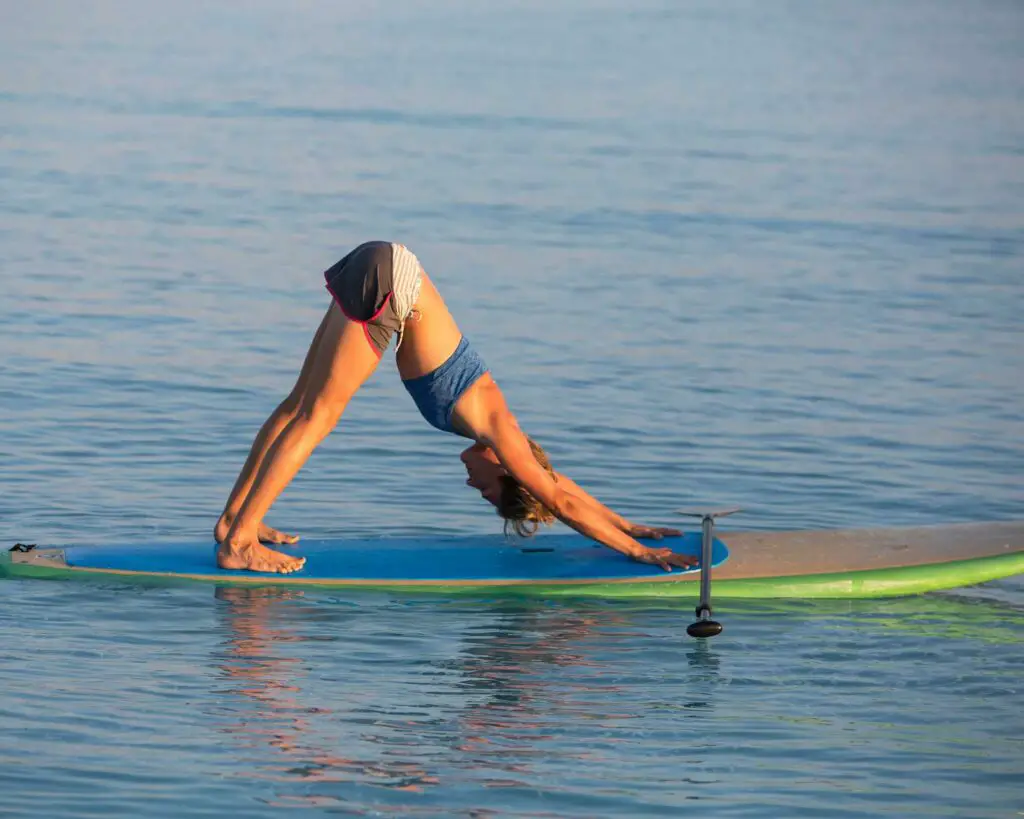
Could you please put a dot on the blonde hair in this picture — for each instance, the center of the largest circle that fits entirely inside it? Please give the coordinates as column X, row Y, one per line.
column 523, row 513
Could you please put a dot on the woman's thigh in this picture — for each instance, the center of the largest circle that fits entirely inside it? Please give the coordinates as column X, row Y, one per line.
column 339, row 362
column 302, row 382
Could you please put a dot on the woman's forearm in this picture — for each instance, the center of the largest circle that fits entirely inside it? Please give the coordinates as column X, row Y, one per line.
column 590, row 521
column 589, row 518
column 616, row 519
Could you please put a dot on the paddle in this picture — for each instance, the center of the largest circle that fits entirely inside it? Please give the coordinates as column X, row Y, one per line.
column 704, row 625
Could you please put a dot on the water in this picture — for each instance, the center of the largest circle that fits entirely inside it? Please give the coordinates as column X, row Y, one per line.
column 765, row 254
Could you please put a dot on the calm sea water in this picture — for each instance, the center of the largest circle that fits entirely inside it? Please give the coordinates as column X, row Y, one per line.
column 765, row 254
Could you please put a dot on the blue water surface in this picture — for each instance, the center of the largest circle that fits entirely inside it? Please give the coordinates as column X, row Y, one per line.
column 767, row 254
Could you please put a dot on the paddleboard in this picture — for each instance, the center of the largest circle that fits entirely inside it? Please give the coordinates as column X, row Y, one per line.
column 798, row 564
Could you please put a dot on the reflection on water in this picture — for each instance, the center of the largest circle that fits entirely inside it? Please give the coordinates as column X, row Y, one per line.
column 499, row 696
column 507, row 709
column 254, row 662
column 404, row 701
column 407, row 705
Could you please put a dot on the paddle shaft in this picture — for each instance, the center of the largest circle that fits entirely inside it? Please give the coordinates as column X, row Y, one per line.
column 704, row 625
column 707, row 528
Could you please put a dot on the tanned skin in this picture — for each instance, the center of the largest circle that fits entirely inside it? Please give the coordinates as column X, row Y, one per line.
column 339, row 361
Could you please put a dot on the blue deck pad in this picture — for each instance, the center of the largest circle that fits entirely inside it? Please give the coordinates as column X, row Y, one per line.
column 468, row 559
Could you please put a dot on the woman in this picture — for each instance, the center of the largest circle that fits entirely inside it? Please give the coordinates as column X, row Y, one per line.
column 380, row 290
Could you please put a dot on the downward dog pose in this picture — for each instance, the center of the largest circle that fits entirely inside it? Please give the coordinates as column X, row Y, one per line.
column 379, row 290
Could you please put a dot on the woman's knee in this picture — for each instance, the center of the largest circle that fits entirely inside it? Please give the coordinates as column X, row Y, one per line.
column 321, row 414
column 289, row 406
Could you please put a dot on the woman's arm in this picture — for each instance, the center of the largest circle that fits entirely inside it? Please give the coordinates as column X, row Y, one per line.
column 630, row 528
column 570, row 485
column 568, row 502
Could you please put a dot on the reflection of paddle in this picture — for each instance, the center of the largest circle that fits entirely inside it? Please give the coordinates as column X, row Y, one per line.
column 704, row 625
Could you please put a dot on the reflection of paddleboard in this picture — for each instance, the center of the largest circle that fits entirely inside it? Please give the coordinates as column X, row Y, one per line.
column 850, row 563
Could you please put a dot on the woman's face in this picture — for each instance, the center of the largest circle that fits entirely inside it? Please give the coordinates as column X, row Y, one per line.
column 484, row 471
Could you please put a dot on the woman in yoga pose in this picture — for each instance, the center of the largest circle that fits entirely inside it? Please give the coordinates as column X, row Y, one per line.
column 380, row 290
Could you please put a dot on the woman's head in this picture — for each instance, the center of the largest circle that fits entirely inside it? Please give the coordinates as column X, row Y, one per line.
column 522, row 512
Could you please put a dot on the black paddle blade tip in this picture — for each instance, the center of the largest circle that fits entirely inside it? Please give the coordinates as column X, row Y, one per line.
column 704, row 628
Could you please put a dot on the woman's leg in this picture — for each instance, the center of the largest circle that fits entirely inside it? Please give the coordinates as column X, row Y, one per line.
column 268, row 433
column 342, row 361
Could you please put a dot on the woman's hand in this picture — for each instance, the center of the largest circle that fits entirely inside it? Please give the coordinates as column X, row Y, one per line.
column 665, row 558
column 638, row 530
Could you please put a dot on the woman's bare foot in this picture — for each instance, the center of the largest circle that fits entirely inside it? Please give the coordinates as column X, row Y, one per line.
column 266, row 534
column 254, row 557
